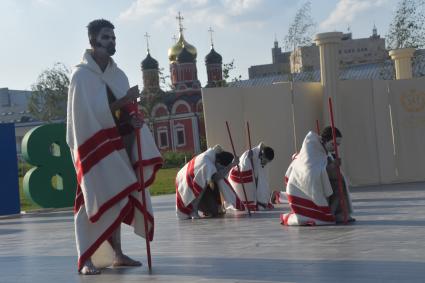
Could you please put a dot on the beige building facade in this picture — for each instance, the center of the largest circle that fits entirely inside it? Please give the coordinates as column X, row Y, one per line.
column 306, row 58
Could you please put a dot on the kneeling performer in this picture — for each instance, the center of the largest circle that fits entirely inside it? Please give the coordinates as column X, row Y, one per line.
column 253, row 175
column 312, row 185
column 201, row 185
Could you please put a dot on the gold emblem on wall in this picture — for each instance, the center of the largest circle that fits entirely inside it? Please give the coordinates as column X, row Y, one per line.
column 413, row 101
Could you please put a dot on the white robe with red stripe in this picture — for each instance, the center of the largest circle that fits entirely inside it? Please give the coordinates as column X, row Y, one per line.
column 308, row 187
column 108, row 190
column 194, row 177
column 248, row 175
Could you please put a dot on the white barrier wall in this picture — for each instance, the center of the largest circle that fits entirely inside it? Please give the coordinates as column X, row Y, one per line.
column 407, row 99
column 270, row 115
column 358, row 127
column 308, row 99
column 384, row 136
column 382, row 122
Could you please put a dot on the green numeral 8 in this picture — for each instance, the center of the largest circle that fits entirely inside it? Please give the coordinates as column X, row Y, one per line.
column 52, row 182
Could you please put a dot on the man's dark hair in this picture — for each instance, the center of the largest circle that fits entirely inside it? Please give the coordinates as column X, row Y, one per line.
column 94, row 28
column 268, row 152
column 327, row 134
column 224, row 158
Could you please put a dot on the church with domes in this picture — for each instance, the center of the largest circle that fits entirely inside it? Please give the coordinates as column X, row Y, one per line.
column 176, row 116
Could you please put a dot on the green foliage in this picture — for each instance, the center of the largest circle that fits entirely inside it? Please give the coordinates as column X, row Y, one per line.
column 23, row 167
column 227, row 68
column 407, row 29
column 176, row 159
column 203, row 143
column 49, row 94
column 164, row 80
column 165, row 182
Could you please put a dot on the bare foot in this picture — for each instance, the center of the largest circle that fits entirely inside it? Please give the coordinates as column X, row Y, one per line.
column 123, row 260
column 89, row 268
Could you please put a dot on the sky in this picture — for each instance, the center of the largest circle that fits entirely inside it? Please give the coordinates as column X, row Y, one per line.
column 35, row 34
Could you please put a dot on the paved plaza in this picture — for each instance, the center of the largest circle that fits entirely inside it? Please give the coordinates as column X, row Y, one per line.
column 386, row 244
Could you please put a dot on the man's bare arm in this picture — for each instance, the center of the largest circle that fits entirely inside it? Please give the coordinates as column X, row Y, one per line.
column 131, row 95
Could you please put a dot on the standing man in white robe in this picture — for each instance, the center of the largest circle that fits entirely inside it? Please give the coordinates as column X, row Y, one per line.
column 101, row 134
column 311, row 184
column 254, row 176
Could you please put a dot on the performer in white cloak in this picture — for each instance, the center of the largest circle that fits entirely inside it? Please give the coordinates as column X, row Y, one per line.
column 312, row 186
column 201, row 185
column 101, row 125
column 253, row 174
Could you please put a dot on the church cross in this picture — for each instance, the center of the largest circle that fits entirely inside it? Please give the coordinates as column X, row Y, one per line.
column 147, row 40
column 180, row 19
column 210, row 30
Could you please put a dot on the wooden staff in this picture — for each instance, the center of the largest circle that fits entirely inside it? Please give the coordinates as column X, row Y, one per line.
column 237, row 166
column 338, row 171
column 250, row 148
column 142, row 187
column 317, row 127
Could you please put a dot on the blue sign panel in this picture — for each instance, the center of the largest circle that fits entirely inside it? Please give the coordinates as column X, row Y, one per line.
column 9, row 186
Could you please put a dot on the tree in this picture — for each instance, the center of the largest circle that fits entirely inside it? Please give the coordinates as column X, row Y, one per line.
column 227, row 68
column 49, row 94
column 407, row 29
column 300, row 33
column 164, row 80
column 301, row 30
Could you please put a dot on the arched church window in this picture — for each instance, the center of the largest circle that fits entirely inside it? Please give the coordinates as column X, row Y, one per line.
column 180, row 135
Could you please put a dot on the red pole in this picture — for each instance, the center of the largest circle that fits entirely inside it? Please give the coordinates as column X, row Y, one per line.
column 142, row 187
column 317, row 127
column 338, row 172
column 239, row 170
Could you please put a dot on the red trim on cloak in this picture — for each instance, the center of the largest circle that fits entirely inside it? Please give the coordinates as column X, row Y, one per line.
column 314, row 214
column 190, row 176
column 241, row 177
column 284, row 218
column 79, row 199
column 239, row 204
column 180, row 205
column 83, row 167
column 89, row 252
column 99, row 137
column 111, row 202
column 294, row 200
column 157, row 162
column 139, row 206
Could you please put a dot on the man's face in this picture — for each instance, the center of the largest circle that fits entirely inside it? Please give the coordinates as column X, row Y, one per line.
column 329, row 145
column 105, row 41
column 263, row 160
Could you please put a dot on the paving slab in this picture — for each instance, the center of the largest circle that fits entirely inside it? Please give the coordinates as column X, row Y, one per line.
column 386, row 244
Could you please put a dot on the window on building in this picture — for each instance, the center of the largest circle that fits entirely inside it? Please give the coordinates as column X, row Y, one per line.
column 162, row 137
column 180, row 136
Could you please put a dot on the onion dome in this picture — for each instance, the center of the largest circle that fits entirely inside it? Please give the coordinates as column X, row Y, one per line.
column 185, row 56
column 175, row 50
column 213, row 57
column 149, row 63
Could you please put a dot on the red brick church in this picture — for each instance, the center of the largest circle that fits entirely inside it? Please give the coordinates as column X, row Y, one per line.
column 176, row 116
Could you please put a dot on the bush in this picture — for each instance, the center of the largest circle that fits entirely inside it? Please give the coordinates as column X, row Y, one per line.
column 23, row 168
column 176, row 159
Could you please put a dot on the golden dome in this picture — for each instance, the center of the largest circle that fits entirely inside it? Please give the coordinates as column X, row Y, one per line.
column 175, row 50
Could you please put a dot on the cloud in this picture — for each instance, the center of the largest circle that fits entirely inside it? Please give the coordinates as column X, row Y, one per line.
column 346, row 10
column 140, row 8
column 223, row 14
column 238, row 7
